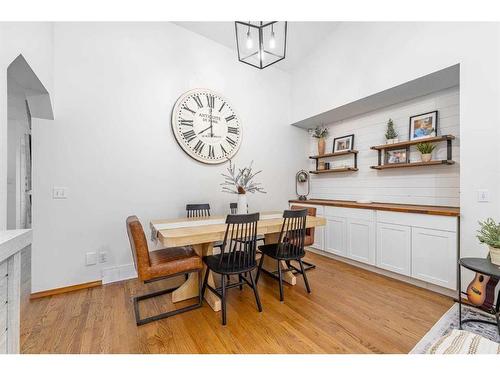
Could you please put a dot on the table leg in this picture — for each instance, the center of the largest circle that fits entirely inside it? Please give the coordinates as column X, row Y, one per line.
column 189, row 289
column 270, row 264
column 459, row 297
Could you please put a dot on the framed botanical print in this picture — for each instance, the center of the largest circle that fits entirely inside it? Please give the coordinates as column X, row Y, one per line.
column 396, row 156
column 424, row 125
column 345, row 143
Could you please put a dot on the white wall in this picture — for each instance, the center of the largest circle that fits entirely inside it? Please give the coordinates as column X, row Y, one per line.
column 360, row 59
column 438, row 185
column 34, row 41
column 112, row 146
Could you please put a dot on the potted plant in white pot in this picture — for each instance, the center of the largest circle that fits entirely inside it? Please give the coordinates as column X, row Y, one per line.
column 391, row 136
column 489, row 233
column 320, row 132
column 425, row 150
column 241, row 182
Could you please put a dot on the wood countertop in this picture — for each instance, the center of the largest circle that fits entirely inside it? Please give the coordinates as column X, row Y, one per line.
column 409, row 208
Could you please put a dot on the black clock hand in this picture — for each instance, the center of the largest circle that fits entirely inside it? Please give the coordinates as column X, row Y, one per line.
column 204, row 130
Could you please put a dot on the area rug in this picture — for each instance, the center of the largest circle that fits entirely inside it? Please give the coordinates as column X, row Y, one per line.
column 449, row 321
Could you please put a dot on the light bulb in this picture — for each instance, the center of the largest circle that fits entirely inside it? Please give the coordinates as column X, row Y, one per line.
column 249, row 42
column 272, row 41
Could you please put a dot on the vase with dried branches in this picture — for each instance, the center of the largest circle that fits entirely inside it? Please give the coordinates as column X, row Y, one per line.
column 241, row 182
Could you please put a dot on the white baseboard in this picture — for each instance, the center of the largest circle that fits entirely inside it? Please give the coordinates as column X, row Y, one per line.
column 118, row 273
column 406, row 279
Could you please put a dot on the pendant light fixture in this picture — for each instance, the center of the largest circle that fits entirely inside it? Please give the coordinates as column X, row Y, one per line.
column 260, row 43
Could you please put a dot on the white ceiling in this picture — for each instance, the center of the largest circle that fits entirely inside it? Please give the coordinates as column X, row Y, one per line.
column 302, row 38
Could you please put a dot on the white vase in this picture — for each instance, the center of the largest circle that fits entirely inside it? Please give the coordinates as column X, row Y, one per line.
column 242, row 204
column 495, row 255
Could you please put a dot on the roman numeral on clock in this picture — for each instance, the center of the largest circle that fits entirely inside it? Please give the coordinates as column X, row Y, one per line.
column 224, row 152
column 222, row 106
column 230, row 141
column 232, row 130
column 211, row 101
column 186, row 122
column 229, row 118
column 198, row 101
column 211, row 153
column 189, row 109
column 189, row 135
column 199, row 147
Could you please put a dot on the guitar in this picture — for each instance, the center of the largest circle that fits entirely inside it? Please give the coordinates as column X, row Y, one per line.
column 481, row 290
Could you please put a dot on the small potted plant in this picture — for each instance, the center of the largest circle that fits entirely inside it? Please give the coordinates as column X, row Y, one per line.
column 426, row 151
column 489, row 233
column 391, row 136
column 320, row 132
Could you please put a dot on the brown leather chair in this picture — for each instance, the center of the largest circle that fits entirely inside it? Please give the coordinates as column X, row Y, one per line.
column 309, row 240
column 160, row 264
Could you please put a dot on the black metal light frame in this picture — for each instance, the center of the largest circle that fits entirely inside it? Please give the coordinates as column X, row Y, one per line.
column 260, row 27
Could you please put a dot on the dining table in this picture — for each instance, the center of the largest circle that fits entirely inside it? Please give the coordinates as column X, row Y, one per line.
column 201, row 233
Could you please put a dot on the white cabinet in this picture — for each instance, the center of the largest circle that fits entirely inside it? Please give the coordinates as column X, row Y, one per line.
column 335, row 235
column 434, row 256
column 394, row 248
column 361, row 240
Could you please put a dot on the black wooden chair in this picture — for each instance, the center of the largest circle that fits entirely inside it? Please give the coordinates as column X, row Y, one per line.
column 233, row 208
column 236, row 258
column 200, row 210
column 289, row 247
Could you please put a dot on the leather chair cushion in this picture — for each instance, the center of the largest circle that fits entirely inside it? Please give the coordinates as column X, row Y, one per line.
column 173, row 260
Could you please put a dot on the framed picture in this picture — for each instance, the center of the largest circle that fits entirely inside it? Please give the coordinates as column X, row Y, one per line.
column 424, row 125
column 397, row 156
column 345, row 143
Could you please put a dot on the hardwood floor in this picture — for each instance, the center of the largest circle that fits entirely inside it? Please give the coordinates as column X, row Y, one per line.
column 350, row 310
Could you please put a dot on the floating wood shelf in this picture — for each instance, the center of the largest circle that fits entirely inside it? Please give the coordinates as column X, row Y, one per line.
column 333, row 154
column 416, row 164
column 405, row 144
column 334, row 170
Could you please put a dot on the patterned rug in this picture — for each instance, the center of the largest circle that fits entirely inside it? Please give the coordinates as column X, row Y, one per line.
column 449, row 321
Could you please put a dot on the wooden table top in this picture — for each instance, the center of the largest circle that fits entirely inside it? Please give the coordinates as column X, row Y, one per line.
column 204, row 233
column 409, row 208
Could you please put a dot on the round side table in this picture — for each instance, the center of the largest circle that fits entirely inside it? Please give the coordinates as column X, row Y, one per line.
column 485, row 267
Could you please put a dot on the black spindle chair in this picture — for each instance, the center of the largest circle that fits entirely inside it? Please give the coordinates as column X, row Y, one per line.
column 236, row 258
column 200, row 210
column 289, row 247
column 233, row 208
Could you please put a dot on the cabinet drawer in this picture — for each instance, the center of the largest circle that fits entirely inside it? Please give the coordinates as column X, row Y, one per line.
column 351, row 213
column 418, row 220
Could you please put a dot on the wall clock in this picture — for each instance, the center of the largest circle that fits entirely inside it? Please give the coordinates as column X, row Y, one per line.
column 206, row 126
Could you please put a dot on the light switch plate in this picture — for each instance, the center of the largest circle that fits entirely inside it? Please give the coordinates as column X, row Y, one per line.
column 483, row 196
column 59, row 193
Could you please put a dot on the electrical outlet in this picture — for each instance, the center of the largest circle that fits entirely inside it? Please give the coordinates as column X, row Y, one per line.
column 59, row 193
column 103, row 256
column 91, row 258
column 483, row 196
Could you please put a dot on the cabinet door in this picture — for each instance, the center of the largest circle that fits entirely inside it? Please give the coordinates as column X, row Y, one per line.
column 394, row 248
column 361, row 240
column 335, row 235
column 434, row 257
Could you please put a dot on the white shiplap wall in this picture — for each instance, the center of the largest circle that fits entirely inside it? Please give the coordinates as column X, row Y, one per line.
column 436, row 185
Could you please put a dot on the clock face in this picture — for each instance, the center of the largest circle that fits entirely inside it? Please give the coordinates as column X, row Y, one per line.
column 206, row 126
